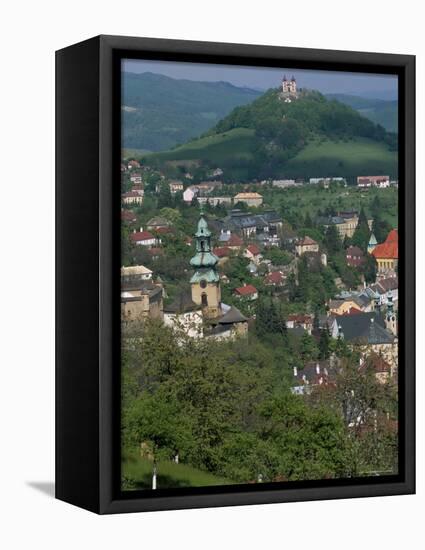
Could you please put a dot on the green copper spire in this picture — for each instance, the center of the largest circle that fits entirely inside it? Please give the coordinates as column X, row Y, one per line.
column 204, row 261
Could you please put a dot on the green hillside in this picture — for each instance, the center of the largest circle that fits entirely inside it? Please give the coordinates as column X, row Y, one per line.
column 269, row 138
column 160, row 112
column 379, row 111
column 361, row 156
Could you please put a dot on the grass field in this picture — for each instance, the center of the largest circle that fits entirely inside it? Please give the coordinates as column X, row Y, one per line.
column 349, row 159
column 239, row 142
column 314, row 198
column 319, row 158
column 137, row 473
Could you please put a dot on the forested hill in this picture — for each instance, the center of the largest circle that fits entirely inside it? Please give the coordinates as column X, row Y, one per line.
column 292, row 124
column 160, row 112
column 311, row 136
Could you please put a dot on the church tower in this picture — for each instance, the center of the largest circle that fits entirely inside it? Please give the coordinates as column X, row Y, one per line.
column 205, row 282
column 285, row 85
column 293, row 86
column 390, row 318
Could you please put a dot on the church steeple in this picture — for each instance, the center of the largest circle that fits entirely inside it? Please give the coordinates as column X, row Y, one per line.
column 205, row 280
column 390, row 318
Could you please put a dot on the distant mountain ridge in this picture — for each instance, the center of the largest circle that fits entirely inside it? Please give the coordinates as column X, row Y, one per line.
column 380, row 111
column 160, row 112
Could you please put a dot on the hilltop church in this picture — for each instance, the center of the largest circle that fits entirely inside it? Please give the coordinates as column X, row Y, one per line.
column 289, row 89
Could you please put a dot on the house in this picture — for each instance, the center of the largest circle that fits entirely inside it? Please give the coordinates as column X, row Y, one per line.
column 128, row 216
column 306, row 244
column 184, row 314
column 222, row 253
column 157, row 223
column 267, row 223
column 215, row 201
column 373, row 181
column 370, row 332
column 300, row 320
column 252, row 252
column 386, row 253
column 140, row 298
column 136, row 273
column 234, row 242
column 275, row 278
column 326, row 181
column 283, row 184
column 354, row 256
column 381, row 368
column 144, row 238
column 315, row 374
column 133, row 164
column 345, row 222
column 132, row 197
column 136, row 178
column 189, row 194
column 155, row 252
column 250, row 199
column 249, row 292
column 384, row 289
column 176, row 186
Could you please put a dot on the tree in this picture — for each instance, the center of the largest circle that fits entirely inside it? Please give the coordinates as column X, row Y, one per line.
column 332, row 239
column 362, row 232
column 324, row 341
column 165, row 199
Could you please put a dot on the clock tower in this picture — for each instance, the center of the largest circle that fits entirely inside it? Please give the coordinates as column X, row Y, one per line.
column 205, row 282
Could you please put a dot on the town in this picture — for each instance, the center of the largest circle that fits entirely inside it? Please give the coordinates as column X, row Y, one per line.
column 266, row 299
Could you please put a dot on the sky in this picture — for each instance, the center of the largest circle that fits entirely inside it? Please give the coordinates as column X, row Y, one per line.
column 262, row 78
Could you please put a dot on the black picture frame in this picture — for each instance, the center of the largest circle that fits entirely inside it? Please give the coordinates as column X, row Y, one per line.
column 87, row 272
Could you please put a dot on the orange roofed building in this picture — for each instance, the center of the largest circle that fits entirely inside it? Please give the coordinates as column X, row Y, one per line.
column 386, row 253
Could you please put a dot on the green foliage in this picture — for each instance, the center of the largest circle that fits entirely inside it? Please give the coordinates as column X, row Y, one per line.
column 362, row 232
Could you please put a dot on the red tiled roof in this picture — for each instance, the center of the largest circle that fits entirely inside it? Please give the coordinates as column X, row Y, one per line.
column 141, row 236
column 306, row 241
column 222, row 251
column 163, row 230
column 353, row 311
column 253, row 248
column 234, row 240
column 246, row 290
column 388, row 249
column 300, row 318
column 130, row 194
column 274, row 278
column 128, row 216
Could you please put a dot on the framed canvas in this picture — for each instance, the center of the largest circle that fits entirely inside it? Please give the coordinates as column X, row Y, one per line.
column 235, row 274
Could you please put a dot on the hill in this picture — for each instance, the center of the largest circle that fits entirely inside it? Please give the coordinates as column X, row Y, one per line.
column 160, row 112
column 310, row 137
column 380, row 111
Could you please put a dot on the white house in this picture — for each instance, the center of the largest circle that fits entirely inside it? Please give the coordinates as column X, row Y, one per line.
column 189, row 194
column 144, row 238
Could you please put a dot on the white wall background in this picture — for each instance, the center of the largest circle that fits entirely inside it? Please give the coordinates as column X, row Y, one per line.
column 30, row 32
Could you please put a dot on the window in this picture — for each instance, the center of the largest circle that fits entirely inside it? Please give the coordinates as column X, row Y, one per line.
column 204, row 300
column 203, row 283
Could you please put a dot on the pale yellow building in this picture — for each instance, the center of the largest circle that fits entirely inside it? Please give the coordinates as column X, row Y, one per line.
column 250, row 199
